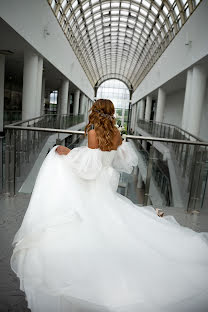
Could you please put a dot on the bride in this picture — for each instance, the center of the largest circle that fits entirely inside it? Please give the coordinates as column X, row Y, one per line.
column 82, row 247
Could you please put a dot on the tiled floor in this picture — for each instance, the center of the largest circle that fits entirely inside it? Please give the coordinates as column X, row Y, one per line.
column 12, row 211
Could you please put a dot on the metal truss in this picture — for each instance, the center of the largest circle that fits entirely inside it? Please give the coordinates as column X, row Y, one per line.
column 119, row 38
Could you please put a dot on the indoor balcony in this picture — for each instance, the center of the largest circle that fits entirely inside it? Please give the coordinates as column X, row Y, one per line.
column 32, row 147
column 186, row 163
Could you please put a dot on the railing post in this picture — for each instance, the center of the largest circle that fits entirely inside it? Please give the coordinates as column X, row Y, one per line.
column 13, row 164
column 185, row 162
column 28, row 146
column 18, row 145
column 7, row 161
column 191, row 185
column 148, row 178
column 1, row 163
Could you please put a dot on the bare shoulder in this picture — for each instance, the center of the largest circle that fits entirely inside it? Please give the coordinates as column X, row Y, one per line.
column 92, row 139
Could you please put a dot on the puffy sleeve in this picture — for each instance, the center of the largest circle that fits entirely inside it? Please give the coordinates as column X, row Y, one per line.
column 125, row 158
column 85, row 162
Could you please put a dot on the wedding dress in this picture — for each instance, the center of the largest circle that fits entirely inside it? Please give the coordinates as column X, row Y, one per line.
column 83, row 247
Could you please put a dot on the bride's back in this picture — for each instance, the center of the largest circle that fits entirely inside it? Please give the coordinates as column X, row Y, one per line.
column 105, row 136
column 93, row 141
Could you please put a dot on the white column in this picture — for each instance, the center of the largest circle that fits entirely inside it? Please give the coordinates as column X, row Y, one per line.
column 148, row 108
column 198, row 88
column 39, row 86
column 29, row 84
column 123, row 115
column 76, row 102
column 2, row 74
column 136, row 115
column 59, row 101
column 132, row 116
column 160, row 105
column 137, row 111
column 64, row 96
column 68, row 106
column 139, row 181
column 43, row 96
column 141, row 109
column 88, row 108
column 90, row 103
column 187, row 98
column 82, row 103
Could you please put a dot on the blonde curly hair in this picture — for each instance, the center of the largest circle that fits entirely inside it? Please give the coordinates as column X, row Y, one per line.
column 102, row 117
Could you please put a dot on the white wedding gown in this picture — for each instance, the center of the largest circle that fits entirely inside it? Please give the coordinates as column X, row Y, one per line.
column 83, row 247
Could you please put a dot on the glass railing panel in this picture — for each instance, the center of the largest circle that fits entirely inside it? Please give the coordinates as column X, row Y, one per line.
column 178, row 174
column 170, row 173
column 24, row 145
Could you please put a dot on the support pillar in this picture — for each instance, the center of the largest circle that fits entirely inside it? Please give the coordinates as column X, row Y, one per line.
column 132, row 117
column 160, row 105
column 135, row 115
column 148, row 108
column 198, row 88
column 76, row 102
column 59, row 101
column 39, row 86
column 141, row 109
column 187, row 98
column 64, row 90
column 43, row 97
column 29, row 84
column 86, row 109
column 90, row 103
column 2, row 74
column 139, row 181
column 123, row 115
column 82, row 103
column 69, row 103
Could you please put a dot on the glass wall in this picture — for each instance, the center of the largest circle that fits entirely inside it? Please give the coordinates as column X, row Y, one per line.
column 116, row 91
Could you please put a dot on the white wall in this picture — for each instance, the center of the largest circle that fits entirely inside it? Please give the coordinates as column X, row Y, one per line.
column 174, row 108
column 29, row 18
column 178, row 56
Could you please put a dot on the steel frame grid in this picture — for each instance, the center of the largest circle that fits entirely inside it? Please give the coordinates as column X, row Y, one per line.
column 120, row 39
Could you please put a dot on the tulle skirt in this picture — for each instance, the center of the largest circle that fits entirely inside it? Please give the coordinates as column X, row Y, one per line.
column 84, row 247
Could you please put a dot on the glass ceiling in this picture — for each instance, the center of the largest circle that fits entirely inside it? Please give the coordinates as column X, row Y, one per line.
column 120, row 39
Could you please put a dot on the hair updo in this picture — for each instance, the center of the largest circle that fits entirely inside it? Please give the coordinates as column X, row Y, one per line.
column 102, row 117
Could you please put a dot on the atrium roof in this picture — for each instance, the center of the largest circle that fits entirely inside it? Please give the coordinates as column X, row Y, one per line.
column 120, row 39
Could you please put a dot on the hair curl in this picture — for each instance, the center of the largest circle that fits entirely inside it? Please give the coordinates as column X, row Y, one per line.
column 102, row 118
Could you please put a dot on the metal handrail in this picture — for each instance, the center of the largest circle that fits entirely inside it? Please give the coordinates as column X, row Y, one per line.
column 15, row 151
column 41, row 116
column 44, row 129
column 140, row 137
column 127, row 136
column 171, row 125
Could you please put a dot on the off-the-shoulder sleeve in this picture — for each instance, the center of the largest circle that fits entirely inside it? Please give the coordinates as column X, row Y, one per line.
column 85, row 162
column 125, row 158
